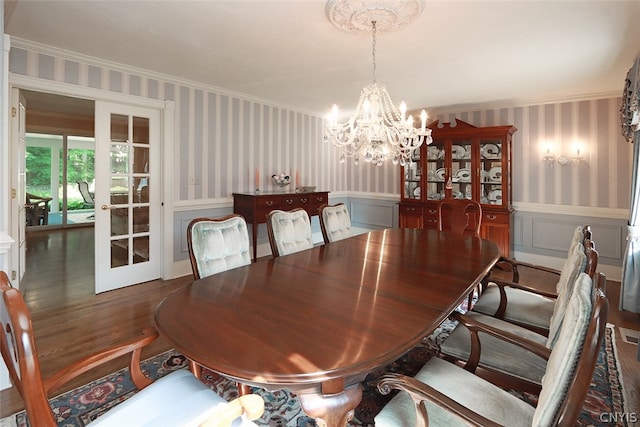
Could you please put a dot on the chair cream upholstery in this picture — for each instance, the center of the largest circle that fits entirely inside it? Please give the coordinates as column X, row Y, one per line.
column 217, row 245
column 523, row 368
column 335, row 222
column 451, row 396
column 525, row 306
column 289, row 231
column 178, row 398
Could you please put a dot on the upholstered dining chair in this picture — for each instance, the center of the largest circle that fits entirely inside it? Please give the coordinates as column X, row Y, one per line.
column 544, row 278
column 447, row 394
column 178, row 398
column 335, row 222
column 526, row 305
column 218, row 244
column 289, row 231
column 460, row 214
column 507, row 354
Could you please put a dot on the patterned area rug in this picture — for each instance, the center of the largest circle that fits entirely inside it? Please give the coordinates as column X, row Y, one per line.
column 80, row 406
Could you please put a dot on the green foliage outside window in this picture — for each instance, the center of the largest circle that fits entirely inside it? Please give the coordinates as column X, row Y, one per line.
column 80, row 167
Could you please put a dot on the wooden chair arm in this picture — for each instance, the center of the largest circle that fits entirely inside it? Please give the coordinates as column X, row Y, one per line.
column 506, row 264
column 527, row 288
column 420, row 392
column 473, row 326
column 502, row 284
column 133, row 346
column 252, row 405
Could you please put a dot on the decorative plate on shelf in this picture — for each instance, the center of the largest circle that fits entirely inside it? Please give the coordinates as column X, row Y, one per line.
column 416, row 192
column 458, row 152
column 490, row 151
column 440, row 174
column 495, row 197
column 495, row 174
column 464, row 175
column 433, row 152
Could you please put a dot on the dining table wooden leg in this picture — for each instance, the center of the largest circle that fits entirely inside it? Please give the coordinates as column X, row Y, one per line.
column 332, row 410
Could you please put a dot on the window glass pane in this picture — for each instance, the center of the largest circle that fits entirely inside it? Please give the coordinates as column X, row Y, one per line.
column 119, row 127
column 119, row 155
column 140, row 249
column 141, row 220
column 119, row 190
column 140, row 130
column 119, row 253
column 119, row 221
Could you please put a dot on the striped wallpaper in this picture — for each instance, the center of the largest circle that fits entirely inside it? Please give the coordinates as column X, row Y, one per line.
column 223, row 138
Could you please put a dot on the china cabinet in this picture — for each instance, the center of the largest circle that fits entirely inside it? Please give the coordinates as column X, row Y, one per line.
column 464, row 161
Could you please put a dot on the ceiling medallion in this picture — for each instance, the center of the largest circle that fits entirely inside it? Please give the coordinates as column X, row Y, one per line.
column 355, row 16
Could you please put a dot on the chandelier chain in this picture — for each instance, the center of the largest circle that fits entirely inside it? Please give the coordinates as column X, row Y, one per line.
column 373, row 49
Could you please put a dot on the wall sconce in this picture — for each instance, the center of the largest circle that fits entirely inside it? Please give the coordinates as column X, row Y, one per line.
column 577, row 155
column 550, row 158
column 548, row 154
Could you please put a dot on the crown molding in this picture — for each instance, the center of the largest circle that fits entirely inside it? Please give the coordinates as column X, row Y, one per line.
column 103, row 63
column 512, row 103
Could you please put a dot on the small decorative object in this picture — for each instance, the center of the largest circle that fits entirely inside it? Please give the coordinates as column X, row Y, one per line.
column 281, row 180
column 257, row 180
column 306, row 189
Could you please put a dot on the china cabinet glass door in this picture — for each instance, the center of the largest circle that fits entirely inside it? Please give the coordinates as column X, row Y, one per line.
column 462, row 177
column 491, row 180
column 413, row 177
column 436, row 171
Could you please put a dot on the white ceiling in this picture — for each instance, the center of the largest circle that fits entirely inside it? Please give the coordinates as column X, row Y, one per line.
column 456, row 52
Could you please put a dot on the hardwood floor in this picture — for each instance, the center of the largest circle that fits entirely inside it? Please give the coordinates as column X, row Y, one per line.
column 70, row 321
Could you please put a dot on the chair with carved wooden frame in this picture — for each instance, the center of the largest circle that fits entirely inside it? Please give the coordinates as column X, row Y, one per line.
column 218, row 244
column 544, row 277
column 289, row 231
column 462, row 216
column 335, row 222
column 156, row 402
column 493, row 348
column 525, row 304
column 445, row 394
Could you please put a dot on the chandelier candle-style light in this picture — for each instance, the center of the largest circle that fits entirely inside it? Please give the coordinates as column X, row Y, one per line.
column 378, row 130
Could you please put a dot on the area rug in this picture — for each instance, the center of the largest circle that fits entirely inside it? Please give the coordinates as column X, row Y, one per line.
column 80, row 406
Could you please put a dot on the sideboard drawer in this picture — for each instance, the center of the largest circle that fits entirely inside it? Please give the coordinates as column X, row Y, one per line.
column 316, row 200
column 266, row 205
column 292, row 201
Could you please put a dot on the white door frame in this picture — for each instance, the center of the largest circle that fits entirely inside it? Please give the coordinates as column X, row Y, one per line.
column 167, row 120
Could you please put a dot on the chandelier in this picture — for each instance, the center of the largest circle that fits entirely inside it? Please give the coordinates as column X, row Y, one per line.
column 378, row 130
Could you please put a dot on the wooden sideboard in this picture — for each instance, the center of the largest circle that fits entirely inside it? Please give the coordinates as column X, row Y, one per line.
column 255, row 207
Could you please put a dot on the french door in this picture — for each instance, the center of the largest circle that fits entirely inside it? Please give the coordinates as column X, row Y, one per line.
column 127, row 196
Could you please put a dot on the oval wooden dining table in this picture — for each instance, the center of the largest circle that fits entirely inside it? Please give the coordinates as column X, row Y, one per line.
column 317, row 322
